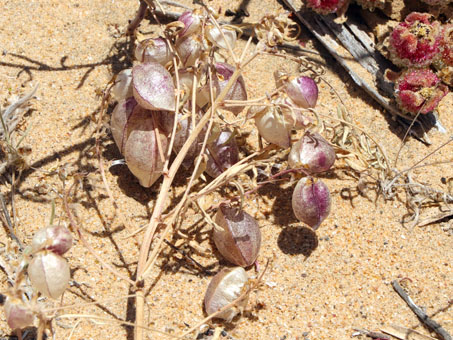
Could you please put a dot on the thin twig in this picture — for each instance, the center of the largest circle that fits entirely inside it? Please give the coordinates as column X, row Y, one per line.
column 431, row 324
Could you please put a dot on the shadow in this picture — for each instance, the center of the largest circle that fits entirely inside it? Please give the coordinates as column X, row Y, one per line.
column 297, row 240
column 282, row 211
column 119, row 58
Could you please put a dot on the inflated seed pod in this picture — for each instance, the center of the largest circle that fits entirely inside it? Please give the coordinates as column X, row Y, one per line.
column 311, row 201
column 153, row 87
column 191, row 21
column 154, row 49
column 123, row 85
column 225, row 287
column 239, row 237
column 312, row 152
column 189, row 49
column 57, row 239
column 223, row 73
column 273, row 126
column 136, row 132
column 216, row 37
column 222, row 154
column 17, row 314
column 49, row 273
column 303, row 91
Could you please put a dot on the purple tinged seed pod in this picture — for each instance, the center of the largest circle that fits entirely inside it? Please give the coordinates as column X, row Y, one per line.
column 272, row 125
column 311, row 201
column 225, row 287
column 215, row 36
column 153, row 50
column 303, row 91
column 57, row 239
column 120, row 115
column 191, row 21
column 17, row 314
column 49, row 274
column 223, row 74
column 135, row 131
column 189, row 49
column 123, row 85
column 153, row 87
column 239, row 237
column 222, row 154
column 313, row 153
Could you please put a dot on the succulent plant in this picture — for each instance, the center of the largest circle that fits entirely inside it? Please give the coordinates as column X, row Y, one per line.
column 326, row 6
column 419, row 90
column 371, row 4
column 416, row 41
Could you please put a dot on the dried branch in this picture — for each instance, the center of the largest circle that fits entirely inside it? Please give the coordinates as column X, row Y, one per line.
column 430, row 323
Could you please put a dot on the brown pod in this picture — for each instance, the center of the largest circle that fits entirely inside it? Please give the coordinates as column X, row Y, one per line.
column 136, row 132
column 225, row 287
column 239, row 237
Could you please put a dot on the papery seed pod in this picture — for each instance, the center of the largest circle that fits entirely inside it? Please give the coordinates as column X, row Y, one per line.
column 123, row 85
column 225, row 287
column 153, row 87
column 419, row 90
column 415, row 42
column 273, row 127
column 49, row 274
column 120, row 115
column 191, row 21
column 189, row 49
column 326, row 6
column 136, row 131
column 293, row 115
column 311, row 201
column 303, row 91
column 153, row 50
column 17, row 314
column 183, row 132
column 239, row 237
column 216, row 37
column 221, row 77
column 222, row 154
column 186, row 78
column 57, row 239
column 312, row 152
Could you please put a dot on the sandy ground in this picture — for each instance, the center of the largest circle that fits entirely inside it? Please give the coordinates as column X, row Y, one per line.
column 320, row 285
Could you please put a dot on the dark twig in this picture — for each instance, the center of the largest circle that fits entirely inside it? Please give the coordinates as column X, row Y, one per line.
column 431, row 324
column 7, row 222
column 138, row 18
column 371, row 334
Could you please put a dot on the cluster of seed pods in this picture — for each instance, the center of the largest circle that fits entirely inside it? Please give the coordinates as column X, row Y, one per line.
column 237, row 235
column 142, row 121
column 144, row 117
column 48, row 272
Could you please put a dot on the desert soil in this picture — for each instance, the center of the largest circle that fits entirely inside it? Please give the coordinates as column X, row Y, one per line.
column 319, row 285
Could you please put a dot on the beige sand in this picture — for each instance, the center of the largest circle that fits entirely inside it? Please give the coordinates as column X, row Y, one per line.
column 320, row 286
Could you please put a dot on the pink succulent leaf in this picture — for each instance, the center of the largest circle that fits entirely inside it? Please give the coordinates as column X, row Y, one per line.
column 419, row 90
column 326, row 6
column 416, row 41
